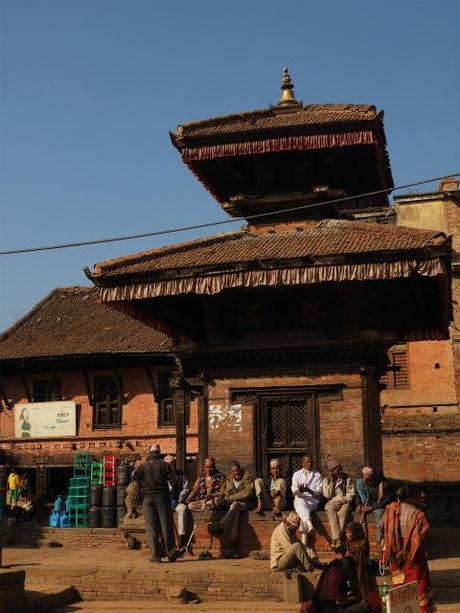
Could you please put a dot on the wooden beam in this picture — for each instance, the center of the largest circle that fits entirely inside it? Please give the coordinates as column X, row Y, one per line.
column 153, row 384
column 26, row 387
column 4, row 397
column 203, row 421
column 89, row 392
column 180, row 400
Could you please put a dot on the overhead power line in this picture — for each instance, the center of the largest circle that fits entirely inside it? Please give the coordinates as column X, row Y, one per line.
column 130, row 237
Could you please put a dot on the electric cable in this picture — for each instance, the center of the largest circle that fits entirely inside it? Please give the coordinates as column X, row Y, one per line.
column 224, row 221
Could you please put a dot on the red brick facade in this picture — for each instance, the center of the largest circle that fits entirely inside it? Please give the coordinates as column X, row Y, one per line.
column 138, row 431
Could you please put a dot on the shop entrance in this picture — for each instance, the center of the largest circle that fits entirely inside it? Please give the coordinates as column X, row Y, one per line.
column 57, row 481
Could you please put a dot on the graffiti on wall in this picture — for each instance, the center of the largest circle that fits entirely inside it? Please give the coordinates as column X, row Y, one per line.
column 225, row 417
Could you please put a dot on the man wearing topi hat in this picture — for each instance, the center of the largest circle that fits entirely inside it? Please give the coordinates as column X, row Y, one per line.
column 339, row 490
column 286, row 551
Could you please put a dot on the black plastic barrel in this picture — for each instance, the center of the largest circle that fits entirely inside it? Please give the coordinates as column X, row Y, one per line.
column 109, row 496
column 121, row 495
column 95, row 517
column 121, row 512
column 109, row 517
column 123, row 474
column 95, row 496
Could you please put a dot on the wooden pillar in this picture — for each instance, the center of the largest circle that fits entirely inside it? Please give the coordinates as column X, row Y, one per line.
column 203, row 445
column 180, row 404
column 372, row 427
column 41, row 510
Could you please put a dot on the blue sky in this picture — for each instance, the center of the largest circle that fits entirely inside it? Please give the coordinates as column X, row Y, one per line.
column 90, row 88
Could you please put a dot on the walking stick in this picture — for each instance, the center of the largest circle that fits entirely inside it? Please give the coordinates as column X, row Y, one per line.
column 195, row 525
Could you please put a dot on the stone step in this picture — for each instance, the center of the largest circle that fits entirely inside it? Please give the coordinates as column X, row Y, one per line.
column 227, row 606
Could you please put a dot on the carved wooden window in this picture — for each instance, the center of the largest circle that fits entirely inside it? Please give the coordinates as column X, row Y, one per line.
column 397, row 376
column 107, row 402
column 166, row 413
column 46, row 390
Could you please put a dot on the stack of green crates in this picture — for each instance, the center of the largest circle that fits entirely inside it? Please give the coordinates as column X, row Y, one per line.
column 97, row 472
column 78, row 499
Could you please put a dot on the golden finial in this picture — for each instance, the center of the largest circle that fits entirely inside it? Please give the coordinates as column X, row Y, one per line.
column 287, row 87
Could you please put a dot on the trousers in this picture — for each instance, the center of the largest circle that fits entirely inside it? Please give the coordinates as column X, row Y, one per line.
column 337, row 519
column 181, row 510
column 230, row 521
column 159, row 520
column 304, row 508
column 295, row 555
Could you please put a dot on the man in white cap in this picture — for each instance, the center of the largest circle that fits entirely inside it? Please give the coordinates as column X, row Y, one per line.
column 307, row 486
column 286, row 551
column 271, row 492
column 339, row 490
column 179, row 504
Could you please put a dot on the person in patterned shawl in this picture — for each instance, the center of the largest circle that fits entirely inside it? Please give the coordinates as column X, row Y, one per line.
column 208, row 489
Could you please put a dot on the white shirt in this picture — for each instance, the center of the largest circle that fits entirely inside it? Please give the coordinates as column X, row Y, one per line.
column 309, row 478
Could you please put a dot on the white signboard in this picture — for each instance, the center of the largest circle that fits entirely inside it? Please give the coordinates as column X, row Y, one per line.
column 404, row 599
column 45, row 419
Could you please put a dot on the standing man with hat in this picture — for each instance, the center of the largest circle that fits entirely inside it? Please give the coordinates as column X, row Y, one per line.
column 339, row 490
column 155, row 477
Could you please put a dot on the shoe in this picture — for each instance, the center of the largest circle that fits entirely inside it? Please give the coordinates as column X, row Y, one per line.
column 207, row 555
column 172, row 558
column 202, row 555
column 154, row 560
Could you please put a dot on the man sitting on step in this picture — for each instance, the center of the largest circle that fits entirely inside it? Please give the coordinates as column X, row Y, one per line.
column 307, row 486
column 239, row 494
column 339, row 490
column 271, row 492
column 286, row 550
column 208, row 489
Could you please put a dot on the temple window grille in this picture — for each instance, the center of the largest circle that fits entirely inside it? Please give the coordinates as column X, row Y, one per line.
column 397, row 377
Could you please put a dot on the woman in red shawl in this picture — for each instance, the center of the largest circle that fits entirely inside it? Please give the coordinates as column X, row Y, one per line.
column 405, row 528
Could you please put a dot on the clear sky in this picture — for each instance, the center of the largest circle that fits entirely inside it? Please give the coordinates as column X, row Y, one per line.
column 90, row 88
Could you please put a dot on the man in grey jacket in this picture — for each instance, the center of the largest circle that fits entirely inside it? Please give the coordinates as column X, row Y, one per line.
column 339, row 490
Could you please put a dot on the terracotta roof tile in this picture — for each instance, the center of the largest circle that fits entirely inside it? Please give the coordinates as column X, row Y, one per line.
column 275, row 118
column 72, row 321
column 328, row 238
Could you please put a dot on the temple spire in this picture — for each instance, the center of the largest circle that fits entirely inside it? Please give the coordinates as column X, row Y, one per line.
column 287, row 87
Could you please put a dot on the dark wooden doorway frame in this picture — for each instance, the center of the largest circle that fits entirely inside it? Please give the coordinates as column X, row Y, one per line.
column 257, row 396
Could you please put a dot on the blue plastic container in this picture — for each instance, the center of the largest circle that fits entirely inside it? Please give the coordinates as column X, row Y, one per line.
column 64, row 520
column 55, row 519
column 59, row 504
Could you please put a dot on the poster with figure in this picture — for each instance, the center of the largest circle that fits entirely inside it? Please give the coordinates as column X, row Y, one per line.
column 45, row 419
column 225, row 417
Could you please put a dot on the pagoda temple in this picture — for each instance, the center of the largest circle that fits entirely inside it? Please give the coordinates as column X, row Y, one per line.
column 280, row 330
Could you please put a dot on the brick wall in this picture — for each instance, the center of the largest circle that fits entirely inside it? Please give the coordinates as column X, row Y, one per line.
column 340, row 421
column 139, row 421
column 431, row 379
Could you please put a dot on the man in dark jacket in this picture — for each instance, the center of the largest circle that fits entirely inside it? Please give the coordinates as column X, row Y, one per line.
column 155, row 476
